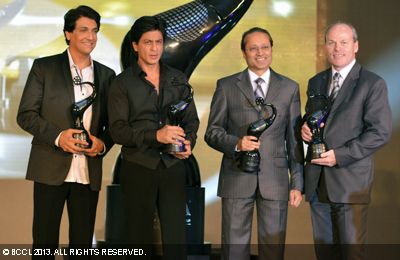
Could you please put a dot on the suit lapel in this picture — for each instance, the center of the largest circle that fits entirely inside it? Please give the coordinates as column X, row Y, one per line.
column 246, row 88
column 345, row 91
column 323, row 88
column 273, row 88
column 321, row 85
column 347, row 87
column 96, row 103
column 67, row 76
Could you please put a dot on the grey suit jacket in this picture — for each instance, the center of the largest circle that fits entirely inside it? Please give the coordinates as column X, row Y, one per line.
column 359, row 124
column 232, row 110
column 45, row 111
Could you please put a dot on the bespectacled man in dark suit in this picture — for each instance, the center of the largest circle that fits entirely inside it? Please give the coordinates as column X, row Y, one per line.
column 338, row 184
column 61, row 169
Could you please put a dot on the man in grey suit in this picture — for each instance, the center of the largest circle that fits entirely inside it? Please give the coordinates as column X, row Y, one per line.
column 338, row 184
column 233, row 108
column 61, row 169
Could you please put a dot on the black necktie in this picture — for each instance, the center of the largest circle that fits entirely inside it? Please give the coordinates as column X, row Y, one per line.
column 336, row 86
column 259, row 92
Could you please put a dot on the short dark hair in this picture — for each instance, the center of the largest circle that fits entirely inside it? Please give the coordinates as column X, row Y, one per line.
column 253, row 30
column 146, row 24
column 73, row 15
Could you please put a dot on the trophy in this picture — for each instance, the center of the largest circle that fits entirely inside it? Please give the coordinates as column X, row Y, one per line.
column 193, row 29
column 175, row 115
column 249, row 161
column 318, row 106
column 78, row 109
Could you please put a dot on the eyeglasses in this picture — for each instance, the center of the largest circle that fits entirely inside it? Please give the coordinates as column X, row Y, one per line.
column 255, row 49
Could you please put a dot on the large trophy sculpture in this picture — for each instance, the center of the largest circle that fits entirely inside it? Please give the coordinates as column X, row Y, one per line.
column 318, row 107
column 79, row 108
column 193, row 29
column 249, row 161
column 175, row 115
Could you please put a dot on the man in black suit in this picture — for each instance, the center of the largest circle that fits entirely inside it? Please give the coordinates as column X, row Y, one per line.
column 62, row 171
column 338, row 184
column 150, row 177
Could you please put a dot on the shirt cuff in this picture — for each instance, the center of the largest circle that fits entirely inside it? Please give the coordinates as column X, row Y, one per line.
column 104, row 150
column 236, row 149
column 56, row 142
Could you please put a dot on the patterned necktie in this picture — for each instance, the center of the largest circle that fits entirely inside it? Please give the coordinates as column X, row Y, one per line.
column 259, row 92
column 336, row 86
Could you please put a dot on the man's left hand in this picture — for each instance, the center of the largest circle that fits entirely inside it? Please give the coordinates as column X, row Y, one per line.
column 97, row 146
column 295, row 198
column 327, row 159
column 187, row 153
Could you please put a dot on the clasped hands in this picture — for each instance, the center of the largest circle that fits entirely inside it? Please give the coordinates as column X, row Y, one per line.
column 70, row 144
column 174, row 135
column 328, row 158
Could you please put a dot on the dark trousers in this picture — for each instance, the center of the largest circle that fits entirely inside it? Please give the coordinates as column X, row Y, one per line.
column 143, row 191
column 48, row 207
column 339, row 229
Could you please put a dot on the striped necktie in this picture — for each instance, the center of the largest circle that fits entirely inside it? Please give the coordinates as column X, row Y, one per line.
column 259, row 92
column 336, row 86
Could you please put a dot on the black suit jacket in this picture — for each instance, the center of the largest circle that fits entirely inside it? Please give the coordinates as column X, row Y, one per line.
column 45, row 111
column 359, row 123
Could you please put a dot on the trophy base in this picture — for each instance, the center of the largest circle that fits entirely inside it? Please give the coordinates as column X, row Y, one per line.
column 84, row 136
column 249, row 162
column 175, row 148
column 317, row 149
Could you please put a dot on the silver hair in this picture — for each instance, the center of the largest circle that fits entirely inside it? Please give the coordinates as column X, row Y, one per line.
column 355, row 35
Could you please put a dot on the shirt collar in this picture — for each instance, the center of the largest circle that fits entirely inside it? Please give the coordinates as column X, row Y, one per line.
column 72, row 64
column 137, row 70
column 264, row 76
column 345, row 71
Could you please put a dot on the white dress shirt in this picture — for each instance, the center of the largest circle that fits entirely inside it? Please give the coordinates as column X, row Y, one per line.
column 343, row 74
column 264, row 85
column 79, row 167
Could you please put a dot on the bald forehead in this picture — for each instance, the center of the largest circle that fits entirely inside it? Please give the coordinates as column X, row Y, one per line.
column 342, row 29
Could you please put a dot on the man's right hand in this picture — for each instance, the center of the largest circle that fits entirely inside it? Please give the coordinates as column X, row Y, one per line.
column 68, row 143
column 248, row 143
column 170, row 135
column 306, row 133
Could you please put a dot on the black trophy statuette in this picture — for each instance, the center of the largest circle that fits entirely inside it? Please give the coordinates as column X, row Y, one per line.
column 249, row 161
column 78, row 109
column 175, row 115
column 318, row 106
